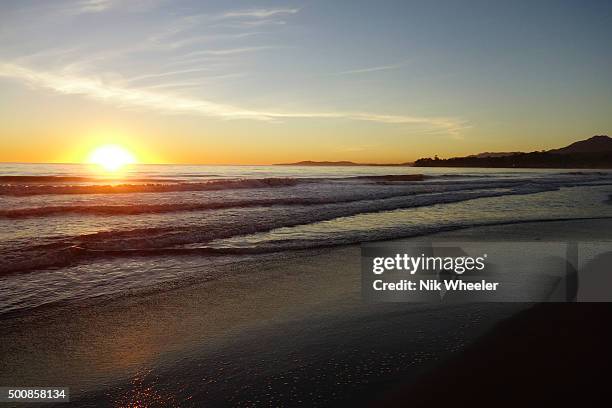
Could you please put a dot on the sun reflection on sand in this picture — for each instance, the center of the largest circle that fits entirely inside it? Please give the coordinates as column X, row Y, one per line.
column 143, row 392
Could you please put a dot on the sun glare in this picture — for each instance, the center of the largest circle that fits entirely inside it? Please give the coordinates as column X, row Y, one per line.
column 111, row 157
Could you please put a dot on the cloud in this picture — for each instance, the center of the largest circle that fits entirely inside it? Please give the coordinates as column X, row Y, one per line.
column 253, row 23
column 258, row 13
column 200, row 56
column 157, row 42
column 375, row 68
column 370, row 69
column 99, row 6
column 233, row 19
column 195, row 83
column 451, row 126
column 249, row 18
column 125, row 96
column 168, row 73
column 93, row 6
column 232, row 51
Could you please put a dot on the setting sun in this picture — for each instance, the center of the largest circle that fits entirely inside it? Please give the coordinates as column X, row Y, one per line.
column 111, row 157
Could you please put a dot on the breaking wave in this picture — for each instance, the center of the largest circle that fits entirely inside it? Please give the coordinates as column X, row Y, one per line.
column 21, row 189
column 232, row 215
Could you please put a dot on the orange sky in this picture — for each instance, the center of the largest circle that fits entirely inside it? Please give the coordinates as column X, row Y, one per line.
column 214, row 83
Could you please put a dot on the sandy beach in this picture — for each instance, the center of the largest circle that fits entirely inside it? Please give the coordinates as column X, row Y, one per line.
column 304, row 203
column 287, row 328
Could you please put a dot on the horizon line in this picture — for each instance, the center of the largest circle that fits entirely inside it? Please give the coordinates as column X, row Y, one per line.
column 404, row 163
column 215, row 164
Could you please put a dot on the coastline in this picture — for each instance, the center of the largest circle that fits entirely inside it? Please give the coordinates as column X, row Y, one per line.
column 319, row 204
column 271, row 326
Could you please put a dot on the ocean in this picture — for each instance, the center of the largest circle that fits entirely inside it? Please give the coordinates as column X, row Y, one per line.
column 69, row 233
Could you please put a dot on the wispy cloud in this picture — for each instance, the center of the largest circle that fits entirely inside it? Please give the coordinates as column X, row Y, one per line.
column 158, row 43
column 135, row 97
column 199, row 82
column 232, row 51
column 99, row 6
column 258, row 13
column 92, row 6
column 369, row 69
column 206, row 56
column 253, row 23
column 124, row 96
column 375, row 68
column 253, row 17
column 166, row 74
column 238, row 19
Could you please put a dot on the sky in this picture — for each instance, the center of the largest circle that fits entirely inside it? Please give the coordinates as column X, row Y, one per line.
column 259, row 82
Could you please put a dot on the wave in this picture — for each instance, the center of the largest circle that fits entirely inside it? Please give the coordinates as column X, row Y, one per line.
column 29, row 190
column 304, row 244
column 450, row 176
column 199, row 230
column 390, row 177
column 586, row 173
column 354, row 196
column 20, row 188
column 79, row 179
column 71, row 249
column 135, row 209
column 73, row 254
column 44, row 179
column 55, row 185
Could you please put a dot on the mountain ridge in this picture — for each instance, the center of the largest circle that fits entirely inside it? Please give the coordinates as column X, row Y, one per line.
column 594, row 152
column 597, row 143
column 582, row 153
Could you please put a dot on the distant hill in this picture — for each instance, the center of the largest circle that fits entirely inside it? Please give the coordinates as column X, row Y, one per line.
column 595, row 152
column 338, row 163
column 319, row 163
column 595, row 144
column 493, row 154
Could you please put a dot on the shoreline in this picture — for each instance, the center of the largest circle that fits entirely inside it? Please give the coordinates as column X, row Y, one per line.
column 306, row 252
column 527, row 353
column 305, row 307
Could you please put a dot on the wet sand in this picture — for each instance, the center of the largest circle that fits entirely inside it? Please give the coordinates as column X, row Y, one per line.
column 290, row 328
column 549, row 355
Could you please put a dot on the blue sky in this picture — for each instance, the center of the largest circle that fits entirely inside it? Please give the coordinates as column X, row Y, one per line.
column 237, row 82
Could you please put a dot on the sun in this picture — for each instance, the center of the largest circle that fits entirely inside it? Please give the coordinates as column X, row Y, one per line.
column 111, row 157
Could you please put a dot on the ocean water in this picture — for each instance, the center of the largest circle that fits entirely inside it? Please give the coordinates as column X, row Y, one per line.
column 70, row 232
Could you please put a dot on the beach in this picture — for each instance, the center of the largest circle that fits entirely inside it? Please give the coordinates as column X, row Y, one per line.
column 242, row 285
column 305, row 203
column 291, row 328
